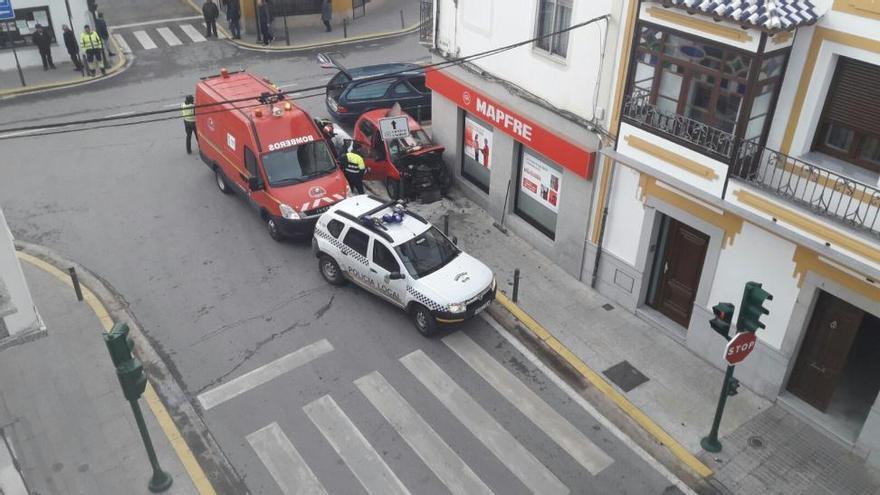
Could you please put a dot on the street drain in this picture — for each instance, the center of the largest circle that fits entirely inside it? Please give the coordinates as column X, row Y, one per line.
column 607, row 307
column 755, row 442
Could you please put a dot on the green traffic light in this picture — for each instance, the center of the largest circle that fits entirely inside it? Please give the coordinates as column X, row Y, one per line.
column 119, row 344
column 752, row 307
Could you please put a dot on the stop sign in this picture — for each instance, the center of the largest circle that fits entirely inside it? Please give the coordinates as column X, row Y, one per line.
column 739, row 347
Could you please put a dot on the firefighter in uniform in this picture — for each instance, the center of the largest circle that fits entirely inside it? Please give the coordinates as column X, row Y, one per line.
column 355, row 169
column 188, row 114
column 93, row 47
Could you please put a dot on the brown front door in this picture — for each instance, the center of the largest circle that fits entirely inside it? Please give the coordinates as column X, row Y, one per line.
column 823, row 354
column 680, row 272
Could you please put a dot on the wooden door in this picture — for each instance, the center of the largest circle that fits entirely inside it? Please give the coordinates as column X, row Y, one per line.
column 832, row 330
column 680, row 272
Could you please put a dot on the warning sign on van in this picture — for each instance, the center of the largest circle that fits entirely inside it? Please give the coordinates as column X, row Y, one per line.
column 394, row 127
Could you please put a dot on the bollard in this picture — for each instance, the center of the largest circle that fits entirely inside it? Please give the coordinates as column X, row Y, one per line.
column 515, row 284
column 446, row 224
column 75, row 280
column 286, row 32
column 402, row 25
column 344, row 27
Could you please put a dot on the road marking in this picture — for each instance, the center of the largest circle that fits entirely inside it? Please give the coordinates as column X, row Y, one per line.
column 21, row 133
column 122, row 114
column 168, row 36
column 289, row 85
column 351, row 445
column 192, row 32
column 579, row 399
column 144, row 39
column 158, row 21
column 418, row 434
column 499, row 441
column 263, row 374
column 186, row 456
column 121, row 43
column 585, row 452
column 284, row 462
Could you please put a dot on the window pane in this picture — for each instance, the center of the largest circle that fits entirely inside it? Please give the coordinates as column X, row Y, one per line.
column 666, row 105
column 727, row 110
column 761, row 103
column 401, row 89
column 712, row 57
column 700, row 97
column 644, row 77
column 738, row 65
column 772, row 67
column 335, row 228
column 651, row 38
column 382, row 256
column 370, row 90
column 755, row 127
column 670, row 81
column 870, row 150
column 357, row 240
column 563, row 20
column 545, row 24
column 839, row 137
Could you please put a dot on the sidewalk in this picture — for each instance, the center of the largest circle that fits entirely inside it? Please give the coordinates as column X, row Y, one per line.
column 63, row 414
column 382, row 20
column 36, row 79
column 681, row 390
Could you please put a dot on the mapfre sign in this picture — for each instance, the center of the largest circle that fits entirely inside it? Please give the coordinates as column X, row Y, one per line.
column 740, row 346
column 544, row 141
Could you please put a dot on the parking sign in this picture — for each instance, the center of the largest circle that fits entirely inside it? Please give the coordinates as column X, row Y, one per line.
column 6, row 11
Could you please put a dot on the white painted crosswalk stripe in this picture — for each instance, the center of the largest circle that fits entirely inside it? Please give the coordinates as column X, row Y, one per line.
column 418, row 434
column 482, row 425
column 192, row 32
column 585, row 452
column 168, row 36
column 284, row 462
column 144, row 39
column 263, row 374
column 351, row 445
column 121, row 43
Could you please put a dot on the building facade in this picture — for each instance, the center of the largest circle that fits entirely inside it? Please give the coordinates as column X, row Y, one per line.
column 747, row 148
column 18, row 315
column 51, row 14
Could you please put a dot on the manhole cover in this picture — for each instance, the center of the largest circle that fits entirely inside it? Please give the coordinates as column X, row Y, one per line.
column 625, row 376
column 755, row 442
column 607, row 307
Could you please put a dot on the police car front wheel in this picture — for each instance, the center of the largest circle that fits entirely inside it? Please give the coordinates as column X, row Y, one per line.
column 330, row 270
column 424, row 320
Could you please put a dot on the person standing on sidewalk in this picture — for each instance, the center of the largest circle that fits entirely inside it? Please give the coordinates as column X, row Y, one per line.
column 188, row 114
column 265, row 20
column 43, row 40
column 233, row 17
column 93, row 47
column 326, row 13
column 72, row 47
column 103, row 32
column 211, row 13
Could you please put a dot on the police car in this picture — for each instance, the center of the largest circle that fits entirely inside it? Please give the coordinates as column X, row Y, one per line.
column 402, row 258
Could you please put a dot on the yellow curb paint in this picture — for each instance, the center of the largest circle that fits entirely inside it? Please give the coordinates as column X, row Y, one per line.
column 607, row 389
column 120, row 62
column 187, row 458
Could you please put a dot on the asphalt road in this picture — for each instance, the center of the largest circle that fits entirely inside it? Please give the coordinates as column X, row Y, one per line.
column 220, row 299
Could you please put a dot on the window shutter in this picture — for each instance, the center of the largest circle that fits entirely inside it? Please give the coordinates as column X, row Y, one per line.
column 854, row 100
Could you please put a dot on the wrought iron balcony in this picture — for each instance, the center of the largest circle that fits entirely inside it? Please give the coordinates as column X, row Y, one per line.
column 843, row 199
column 426, row 19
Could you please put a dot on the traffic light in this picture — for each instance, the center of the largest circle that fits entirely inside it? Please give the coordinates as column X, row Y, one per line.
column 129, row 370
column 733, row 386
column 752, row 308
column 92, row 5
column 723, row 318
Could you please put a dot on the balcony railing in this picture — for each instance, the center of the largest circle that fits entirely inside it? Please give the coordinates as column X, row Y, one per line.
column 822, row 191
column 426, row 18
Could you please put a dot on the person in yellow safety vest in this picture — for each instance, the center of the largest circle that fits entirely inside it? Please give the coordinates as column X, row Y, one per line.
column 355, row 168
column 94, row 49
column 188, row 113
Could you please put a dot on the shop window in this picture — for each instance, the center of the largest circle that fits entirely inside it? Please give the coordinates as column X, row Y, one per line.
column 553, row 16
column 538, row 191
column 19, row 31
column 477, row 152
column 849, row 128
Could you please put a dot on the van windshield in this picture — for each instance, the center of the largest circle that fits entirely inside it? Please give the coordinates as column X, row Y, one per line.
column 427, row 253
column 298, row 164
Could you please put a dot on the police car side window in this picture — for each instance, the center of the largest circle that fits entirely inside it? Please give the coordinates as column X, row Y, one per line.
column 382, row 256
column 335, row 228
column 357, row 240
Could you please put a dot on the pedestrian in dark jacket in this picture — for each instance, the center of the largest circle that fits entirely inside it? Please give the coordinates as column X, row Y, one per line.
column 211, row 13
column 43, row 40
column 103, row 32
column 233, row 16
column 265, row 19
column 72, row 47
column 327, row 13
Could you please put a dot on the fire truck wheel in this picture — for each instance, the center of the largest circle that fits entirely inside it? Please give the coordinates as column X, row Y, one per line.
column 274, row 233
column 221, row 181
column 393, row 188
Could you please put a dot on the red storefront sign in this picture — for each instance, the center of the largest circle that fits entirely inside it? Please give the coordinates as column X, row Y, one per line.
column 561, row 151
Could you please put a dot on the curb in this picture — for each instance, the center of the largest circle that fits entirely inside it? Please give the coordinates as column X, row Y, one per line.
column 189, row 435
column 121, row 65
column 541, row 335
column 310, row 46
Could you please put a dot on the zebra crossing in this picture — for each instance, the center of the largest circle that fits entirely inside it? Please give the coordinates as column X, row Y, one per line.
column 290, row 469
column 152, row 37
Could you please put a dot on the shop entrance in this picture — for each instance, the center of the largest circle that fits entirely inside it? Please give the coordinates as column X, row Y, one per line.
column 678, row 264
column 838, row 367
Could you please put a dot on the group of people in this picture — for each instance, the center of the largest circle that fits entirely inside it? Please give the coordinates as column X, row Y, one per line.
column 91, row 42
column 211, row 11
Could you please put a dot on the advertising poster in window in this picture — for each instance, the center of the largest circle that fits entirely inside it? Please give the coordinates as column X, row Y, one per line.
column 541, row 181
column 477, row 142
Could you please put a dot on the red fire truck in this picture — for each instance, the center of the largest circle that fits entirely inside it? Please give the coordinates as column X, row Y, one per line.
column 263, row 147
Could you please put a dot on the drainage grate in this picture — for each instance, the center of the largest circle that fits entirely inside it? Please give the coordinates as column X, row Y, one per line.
column 755, row 442
column 625, row 376
column 607, row 307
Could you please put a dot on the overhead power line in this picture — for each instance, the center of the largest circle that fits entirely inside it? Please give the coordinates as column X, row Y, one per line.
column 21, row 131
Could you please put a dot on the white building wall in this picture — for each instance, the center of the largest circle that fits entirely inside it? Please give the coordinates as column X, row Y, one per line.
column 29, row 56
column 25, row 316
column 626, row 213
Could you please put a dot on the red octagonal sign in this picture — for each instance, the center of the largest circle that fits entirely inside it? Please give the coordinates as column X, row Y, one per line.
column 739, row 347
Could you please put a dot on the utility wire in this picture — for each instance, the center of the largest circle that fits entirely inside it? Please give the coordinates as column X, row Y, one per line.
column 436, row 66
